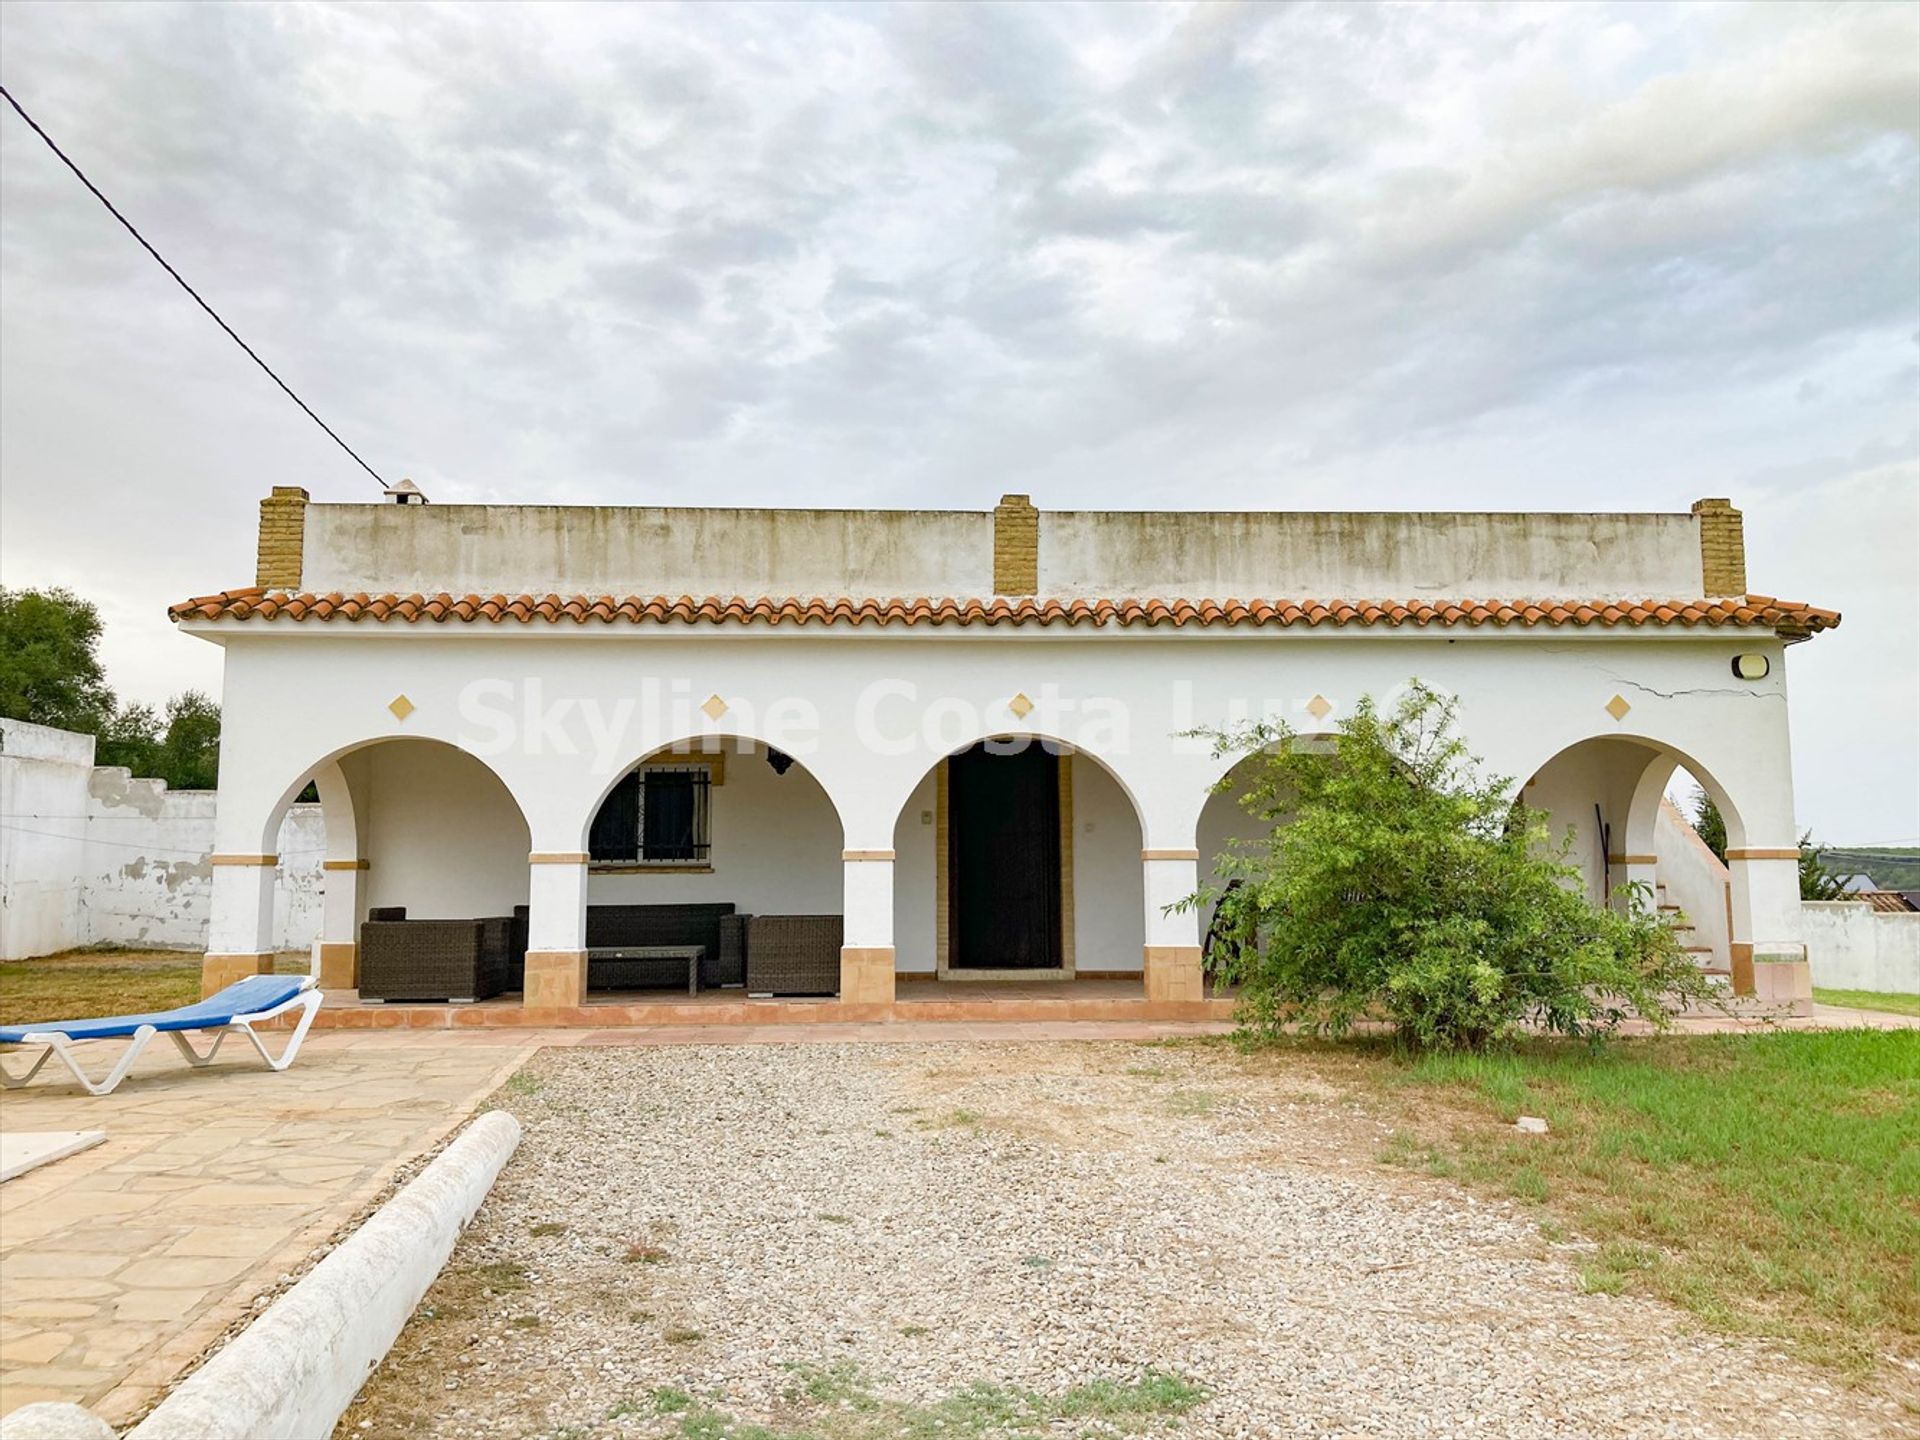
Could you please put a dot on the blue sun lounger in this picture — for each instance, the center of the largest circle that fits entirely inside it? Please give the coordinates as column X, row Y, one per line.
column 240, row 1006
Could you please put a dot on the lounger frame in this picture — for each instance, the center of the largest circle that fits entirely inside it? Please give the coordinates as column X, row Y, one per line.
column 58, row 1045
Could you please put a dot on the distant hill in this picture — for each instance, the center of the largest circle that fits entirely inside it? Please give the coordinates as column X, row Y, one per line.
column 1889, row 867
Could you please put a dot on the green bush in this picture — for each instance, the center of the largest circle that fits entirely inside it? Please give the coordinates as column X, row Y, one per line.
column 1396, row 882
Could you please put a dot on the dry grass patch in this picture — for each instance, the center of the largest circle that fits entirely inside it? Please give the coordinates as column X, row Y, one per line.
column 837, row 1403
column 79, row 984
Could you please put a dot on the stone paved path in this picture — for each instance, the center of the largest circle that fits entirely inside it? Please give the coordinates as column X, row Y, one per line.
column 119, row 1265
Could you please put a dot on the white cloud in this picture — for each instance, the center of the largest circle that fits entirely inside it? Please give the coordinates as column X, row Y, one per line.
column 1389, row 256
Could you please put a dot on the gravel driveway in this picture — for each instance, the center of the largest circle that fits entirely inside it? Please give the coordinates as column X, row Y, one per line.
column 997, row 1239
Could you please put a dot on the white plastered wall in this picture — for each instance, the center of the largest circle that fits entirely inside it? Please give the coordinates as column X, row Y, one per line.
column 775, row 847
column 915, row 888
column 1581, row 789
column 440, row 833
column 1853, row 947
column 869, row 711
column 94, row 855
column 1108, row 883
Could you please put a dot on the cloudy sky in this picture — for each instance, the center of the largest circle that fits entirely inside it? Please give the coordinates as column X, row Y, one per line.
column 1228, row 256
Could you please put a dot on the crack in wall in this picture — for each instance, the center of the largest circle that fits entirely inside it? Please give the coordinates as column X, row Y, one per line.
column 1738, row 694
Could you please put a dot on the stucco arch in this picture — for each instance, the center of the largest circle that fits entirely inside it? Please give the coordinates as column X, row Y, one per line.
column 410, row 819
column 898, row 796
column 1218, row 793
column 328, row 777
column 1101, row 895
column 1649, row 782
column 338, row 811
column 735, row 734
column 1734, row 764
column 416, row 821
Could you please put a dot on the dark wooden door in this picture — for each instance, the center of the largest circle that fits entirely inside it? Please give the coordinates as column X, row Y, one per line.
column 1003, row 859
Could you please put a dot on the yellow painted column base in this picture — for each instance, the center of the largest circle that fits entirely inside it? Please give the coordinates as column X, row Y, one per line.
column 1740, row 960
column 556, row 979
column 339, row 966
column 1782, row 979
column 1173, row 974
column 866, row 974
column 219, row 971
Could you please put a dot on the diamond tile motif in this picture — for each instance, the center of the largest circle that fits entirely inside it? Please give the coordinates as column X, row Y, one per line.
column 1617, row 707
column 715, row 707
column 1020, row 706
column 401, row 707
column 1319, row 707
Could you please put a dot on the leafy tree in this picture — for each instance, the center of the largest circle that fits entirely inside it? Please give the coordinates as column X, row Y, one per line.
column 131, row 737
column 190, row 751
column 1709, row 824
column 50, row 671
column 183, row 749
column 50, row 674
column 1395, row 882
column 1817, row 882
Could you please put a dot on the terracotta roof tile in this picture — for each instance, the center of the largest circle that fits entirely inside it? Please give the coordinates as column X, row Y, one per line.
column 254, row 604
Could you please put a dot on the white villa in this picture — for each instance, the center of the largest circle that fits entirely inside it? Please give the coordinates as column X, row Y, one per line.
column 548, row 714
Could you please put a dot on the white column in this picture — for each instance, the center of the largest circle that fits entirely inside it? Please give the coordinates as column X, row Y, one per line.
column 1769, row 959
column 342, row 880
column 1636, row 854
column 1763, row 862
column 866, row 947
column 240, row 928
column 1172, row 956
column 556, row 974
column 340, row 900
column 1171, row 875
column 868, row 898
column 341, row 885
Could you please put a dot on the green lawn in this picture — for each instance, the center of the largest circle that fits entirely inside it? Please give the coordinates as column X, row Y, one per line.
column 1768, row 1183
column 81, row 983
column 1869, row 1000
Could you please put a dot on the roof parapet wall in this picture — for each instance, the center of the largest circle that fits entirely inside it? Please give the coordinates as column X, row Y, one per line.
column 1013, row 551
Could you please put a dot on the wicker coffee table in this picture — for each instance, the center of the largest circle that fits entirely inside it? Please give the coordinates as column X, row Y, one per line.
column 606, row 956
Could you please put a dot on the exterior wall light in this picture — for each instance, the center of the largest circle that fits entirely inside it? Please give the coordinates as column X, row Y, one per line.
column 1752, row 667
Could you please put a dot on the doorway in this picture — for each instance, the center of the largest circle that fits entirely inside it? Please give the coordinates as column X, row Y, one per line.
column 1003, row 859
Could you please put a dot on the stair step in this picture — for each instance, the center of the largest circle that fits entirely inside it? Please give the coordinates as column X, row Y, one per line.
column 1698, row 949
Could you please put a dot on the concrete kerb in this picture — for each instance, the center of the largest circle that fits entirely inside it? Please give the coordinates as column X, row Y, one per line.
column 140, row 1391
column 54, row 1420
column 292, row 1373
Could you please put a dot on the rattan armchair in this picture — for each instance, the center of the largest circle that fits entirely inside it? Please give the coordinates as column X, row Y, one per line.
column 794, row 954
column 730, row 964
column 434, row 959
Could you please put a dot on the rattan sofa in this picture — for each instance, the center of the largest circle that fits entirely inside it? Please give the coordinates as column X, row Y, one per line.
column 794, row 954
column 402, row 959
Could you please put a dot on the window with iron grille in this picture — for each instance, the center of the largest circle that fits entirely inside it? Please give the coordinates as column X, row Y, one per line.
column 655, row 816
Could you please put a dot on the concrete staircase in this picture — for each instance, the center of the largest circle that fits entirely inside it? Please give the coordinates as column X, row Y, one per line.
column 1713, row 963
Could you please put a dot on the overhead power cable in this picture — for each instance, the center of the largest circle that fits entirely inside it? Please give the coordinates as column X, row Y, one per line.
column 251, row 353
